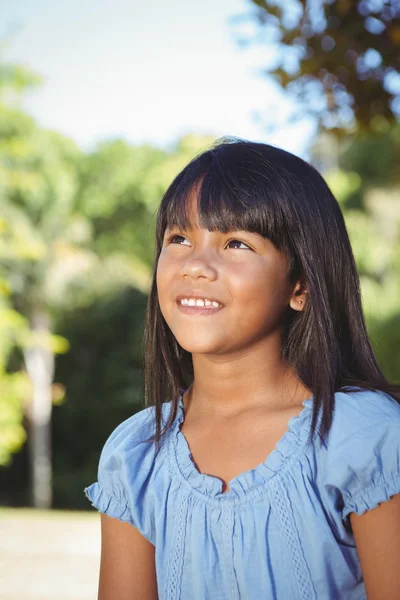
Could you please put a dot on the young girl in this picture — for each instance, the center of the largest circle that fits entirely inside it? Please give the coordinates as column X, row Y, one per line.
column 267, row 462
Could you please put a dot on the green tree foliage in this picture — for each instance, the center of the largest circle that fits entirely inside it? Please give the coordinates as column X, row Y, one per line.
column 37, row 193
column 76, row 252
column 14, row 387
column 120, row 188
column 340, row 58
column 103, row 376
column 103, row 372
column 14, row 384
column 368, row 190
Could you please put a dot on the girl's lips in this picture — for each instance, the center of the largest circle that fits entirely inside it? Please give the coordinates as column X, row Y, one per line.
column 199, row 310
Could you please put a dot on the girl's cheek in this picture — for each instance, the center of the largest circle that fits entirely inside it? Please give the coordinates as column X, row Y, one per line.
column 166, row 260
column 162, row 266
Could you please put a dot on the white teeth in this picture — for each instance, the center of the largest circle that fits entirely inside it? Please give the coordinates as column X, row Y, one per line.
column 199, row 302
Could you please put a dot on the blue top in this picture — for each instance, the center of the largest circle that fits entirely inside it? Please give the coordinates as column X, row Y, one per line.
column 282, row 530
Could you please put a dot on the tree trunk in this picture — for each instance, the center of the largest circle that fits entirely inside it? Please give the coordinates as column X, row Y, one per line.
column 39, row 363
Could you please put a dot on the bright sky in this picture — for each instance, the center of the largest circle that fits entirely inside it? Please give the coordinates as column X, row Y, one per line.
column 147, row 71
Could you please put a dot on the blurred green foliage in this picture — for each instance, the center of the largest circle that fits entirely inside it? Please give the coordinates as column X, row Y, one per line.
column 14, row 386
column 368, row 190
column 340, row 59
column 77, row 242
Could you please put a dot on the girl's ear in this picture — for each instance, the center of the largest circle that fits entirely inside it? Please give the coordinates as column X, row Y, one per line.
column 299, row 296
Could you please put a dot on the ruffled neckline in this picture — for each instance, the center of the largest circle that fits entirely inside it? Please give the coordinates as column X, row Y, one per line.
column 295, row 437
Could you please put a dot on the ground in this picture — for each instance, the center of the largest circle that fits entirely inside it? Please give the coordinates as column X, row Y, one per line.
column 48, row 555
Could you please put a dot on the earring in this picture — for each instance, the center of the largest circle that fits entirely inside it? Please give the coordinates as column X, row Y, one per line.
column 300, row 301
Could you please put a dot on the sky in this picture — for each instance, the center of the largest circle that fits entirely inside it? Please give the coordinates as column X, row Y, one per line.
column 149, row 72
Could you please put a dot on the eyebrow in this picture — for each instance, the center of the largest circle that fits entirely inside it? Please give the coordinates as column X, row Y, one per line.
column 240, row 232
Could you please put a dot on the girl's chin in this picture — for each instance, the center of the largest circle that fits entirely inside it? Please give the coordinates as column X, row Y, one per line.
column 198, row 348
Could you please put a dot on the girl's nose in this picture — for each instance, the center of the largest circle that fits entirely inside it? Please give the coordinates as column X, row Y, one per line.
column 199, row 266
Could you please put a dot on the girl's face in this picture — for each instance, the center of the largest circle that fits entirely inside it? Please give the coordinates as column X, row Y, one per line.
column 242, row 271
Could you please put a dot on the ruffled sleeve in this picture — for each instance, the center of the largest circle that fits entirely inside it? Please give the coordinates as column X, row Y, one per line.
column 123, row 472
column 363, row 452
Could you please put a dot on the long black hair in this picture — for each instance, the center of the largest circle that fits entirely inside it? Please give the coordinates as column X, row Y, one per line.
column 243, row 185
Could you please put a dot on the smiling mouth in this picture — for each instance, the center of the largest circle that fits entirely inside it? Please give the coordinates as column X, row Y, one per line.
column 199, row 310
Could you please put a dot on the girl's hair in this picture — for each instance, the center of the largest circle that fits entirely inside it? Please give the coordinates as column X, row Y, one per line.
column 256, row 187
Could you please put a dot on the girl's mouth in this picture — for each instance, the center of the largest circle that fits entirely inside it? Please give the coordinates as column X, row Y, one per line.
column 199, row 310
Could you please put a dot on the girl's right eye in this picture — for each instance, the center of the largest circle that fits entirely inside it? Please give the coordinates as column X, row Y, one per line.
column 173, row 237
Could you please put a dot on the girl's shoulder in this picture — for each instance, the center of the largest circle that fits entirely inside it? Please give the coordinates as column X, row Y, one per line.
column 363, row 422
column 125, row 470
column 361, row 458
column 134, row 431
column 359, row 409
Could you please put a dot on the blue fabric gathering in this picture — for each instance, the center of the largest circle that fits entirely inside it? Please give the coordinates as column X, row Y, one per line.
column 282, row 531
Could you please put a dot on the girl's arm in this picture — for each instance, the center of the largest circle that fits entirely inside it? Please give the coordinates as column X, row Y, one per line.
column 127, row 566
column 377, row 536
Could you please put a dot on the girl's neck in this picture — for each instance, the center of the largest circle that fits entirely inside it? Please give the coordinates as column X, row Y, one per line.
column 228, row 398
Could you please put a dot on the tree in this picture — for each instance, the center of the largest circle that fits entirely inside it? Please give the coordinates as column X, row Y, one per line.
column 39, row 238
column 76, row 229
column 339, row 59
column 366, row 183
column 14, row 386
column 120, row 188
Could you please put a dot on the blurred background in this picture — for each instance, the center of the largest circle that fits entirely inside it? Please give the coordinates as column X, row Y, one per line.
column 101, row 104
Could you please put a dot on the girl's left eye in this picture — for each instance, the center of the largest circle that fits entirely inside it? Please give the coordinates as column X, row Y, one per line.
column 239, row 242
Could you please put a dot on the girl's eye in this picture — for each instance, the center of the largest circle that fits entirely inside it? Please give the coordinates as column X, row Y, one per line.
column 239, row 242
column 174, row 237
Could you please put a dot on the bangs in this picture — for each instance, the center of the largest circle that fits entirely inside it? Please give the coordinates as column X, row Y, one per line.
column 231, row 195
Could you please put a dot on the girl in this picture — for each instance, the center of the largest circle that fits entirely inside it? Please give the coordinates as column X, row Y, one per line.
column 267, row 462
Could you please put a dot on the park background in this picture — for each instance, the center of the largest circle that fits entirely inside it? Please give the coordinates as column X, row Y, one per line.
column 101, row 104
